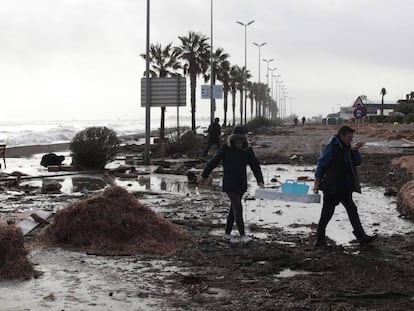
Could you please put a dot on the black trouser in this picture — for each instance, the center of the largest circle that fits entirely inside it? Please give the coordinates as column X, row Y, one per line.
column 211, row 143
column 236, row 212
column 328, row 209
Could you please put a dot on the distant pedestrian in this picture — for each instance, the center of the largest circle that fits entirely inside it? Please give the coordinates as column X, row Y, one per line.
column 235, row 155
column 295, row 121
column 214, row 132
column 337, row 177
column 303, row 121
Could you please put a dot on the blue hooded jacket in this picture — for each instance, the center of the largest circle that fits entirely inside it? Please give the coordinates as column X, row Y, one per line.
column 336, row 168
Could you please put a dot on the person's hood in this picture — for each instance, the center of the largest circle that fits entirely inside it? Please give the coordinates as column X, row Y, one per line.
column 337, row 141
column 242, row 137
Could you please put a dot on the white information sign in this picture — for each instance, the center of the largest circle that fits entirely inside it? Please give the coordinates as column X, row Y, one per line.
column 217, row 91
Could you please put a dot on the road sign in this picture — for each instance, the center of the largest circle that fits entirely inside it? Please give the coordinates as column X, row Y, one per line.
column 360, row 112
column 217, row 91
column 359, row 101
column 165, row 92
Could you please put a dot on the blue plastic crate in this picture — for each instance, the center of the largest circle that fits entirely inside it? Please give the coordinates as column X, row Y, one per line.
column 293, row 187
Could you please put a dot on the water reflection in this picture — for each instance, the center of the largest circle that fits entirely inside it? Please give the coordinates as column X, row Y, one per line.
column 85, row 184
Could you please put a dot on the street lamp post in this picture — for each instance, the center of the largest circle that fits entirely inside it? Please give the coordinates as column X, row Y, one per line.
column 212, row 102
column 280, row 99
column 276, row 99
column 147, row 92
column 268, row 61
column 245, row 66
column 259, row 45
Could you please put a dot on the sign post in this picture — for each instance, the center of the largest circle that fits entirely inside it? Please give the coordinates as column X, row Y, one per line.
column 360, row 111
column 162, row 92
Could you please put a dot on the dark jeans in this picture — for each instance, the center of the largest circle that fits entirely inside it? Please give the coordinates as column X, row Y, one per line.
column 235, row 213
column 210, row 143
column 330, row 201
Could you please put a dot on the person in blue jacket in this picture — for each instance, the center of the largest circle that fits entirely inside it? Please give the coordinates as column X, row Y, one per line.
column 235, row 155
column 337, row 177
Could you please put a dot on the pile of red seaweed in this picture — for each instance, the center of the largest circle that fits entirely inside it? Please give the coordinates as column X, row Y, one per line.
column 13, row 255
column 113, row 222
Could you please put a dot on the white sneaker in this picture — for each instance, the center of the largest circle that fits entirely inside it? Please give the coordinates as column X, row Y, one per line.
column 245, row 239
column 229, row 239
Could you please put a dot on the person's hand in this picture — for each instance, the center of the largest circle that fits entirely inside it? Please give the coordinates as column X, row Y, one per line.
column 358, row 145
column 261, row 185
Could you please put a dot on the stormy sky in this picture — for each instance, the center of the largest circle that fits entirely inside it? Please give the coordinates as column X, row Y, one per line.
column 79, row 59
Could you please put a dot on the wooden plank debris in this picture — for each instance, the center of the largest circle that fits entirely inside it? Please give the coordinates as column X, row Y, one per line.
column 29, row 224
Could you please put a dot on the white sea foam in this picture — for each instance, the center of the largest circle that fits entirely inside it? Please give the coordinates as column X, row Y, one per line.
column 48, row 132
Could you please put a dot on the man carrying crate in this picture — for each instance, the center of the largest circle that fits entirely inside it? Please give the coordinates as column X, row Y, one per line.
column 337, row 177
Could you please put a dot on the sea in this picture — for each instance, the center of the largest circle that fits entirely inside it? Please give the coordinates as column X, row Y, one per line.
column 24, row 133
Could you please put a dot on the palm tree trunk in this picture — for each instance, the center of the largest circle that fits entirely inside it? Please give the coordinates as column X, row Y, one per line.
column 193, row 85
column 241, row 106
column 245, row 107
column 225, row 99
column 233, row 106
column 162, row 125
column 251, row 108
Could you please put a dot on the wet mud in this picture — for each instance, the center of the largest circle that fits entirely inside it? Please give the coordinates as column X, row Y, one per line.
column 279, row 270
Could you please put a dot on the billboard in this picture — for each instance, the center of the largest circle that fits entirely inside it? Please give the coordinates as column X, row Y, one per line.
column 165, row 92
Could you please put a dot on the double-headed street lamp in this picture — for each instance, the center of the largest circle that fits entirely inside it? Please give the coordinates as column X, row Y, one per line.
column 259, row 45
column 245, row 65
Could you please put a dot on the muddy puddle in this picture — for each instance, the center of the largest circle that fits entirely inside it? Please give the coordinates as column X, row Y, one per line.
column 390, row 144
column 378, row 212
column 75, row 281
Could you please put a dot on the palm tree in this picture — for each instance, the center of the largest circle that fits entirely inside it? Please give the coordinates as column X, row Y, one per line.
column 261, row 94
column 236, row 77
column 251, row 94
column 383, row 93
column 194, row 51
column 225, row 79
column 244, row 76
column 221, row 72
column 164, row 63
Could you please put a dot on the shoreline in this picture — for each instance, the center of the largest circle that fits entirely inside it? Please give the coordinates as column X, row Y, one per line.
column 29, row 150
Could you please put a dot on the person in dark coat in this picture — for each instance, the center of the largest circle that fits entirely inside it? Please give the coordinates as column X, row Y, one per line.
column 337, row 177
column 214, row 132
column 235, row 155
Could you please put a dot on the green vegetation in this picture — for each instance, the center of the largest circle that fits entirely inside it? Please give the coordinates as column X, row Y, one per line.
column 93, row 147
column 261, row 122
column 182, row 144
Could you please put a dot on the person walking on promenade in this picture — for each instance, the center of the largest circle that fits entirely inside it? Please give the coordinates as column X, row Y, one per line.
column 214, row 132
column 303, row 121
column 235, row 155
column 337, row 177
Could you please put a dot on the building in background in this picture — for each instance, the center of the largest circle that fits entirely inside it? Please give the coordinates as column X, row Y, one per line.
column 373, row 109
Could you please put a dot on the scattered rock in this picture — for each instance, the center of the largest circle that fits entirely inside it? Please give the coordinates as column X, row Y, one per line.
column 391, row 191
column 51, row 186
column 51, row 159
